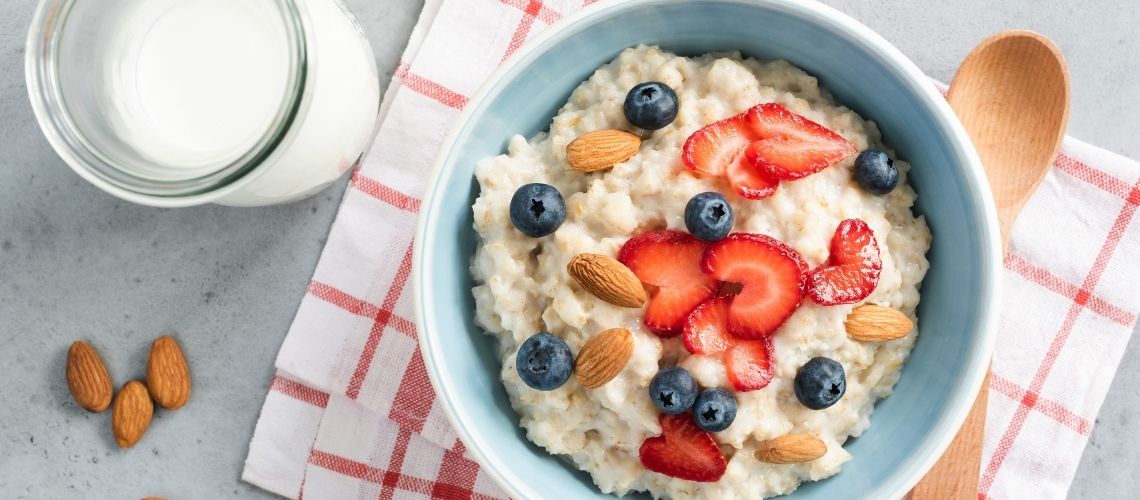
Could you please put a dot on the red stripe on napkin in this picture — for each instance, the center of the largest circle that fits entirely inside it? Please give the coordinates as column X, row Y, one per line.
column 299, row 391
column 1043, row 277
column 383, row 316
column 429, row 88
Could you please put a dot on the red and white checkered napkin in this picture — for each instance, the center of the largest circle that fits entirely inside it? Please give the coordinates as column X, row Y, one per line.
column 351, row 412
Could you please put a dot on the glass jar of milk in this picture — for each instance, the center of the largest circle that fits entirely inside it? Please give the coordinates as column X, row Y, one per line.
column 183, row 102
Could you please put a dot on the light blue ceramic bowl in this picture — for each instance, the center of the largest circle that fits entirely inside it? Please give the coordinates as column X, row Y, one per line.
column 911, row 428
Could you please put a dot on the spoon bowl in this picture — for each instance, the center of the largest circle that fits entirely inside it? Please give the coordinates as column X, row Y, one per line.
column 1012, row 95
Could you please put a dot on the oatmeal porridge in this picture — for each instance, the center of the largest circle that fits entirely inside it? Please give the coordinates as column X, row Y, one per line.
column 635, row 213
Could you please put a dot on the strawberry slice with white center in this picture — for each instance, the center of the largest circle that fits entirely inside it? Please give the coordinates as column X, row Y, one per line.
column 748, row 363
column 852, row 270
column 710, row 150
column 749, row 181
column 706, row 329
column 771, row 274
column 790, row 146
column 718, row 149
column 668, row 261
column 683, row 451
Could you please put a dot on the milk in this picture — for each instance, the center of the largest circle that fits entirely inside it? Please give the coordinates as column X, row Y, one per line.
column 196, row 83
column 176, row 103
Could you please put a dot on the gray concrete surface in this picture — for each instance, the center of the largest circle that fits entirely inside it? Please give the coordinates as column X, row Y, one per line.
column 75, row 263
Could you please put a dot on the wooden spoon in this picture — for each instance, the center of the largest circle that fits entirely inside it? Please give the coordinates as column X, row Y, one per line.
column 1012, row 95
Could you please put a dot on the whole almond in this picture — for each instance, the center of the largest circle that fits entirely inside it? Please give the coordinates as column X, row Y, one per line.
column 131, row 415
column 607, row 279
column 167, row 376
column 603, row 357
column 871, row 323
column 791, row 449
column 87, row 378
column 601, row 149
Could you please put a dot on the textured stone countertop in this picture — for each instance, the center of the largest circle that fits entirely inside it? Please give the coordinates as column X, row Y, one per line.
column 76, row 263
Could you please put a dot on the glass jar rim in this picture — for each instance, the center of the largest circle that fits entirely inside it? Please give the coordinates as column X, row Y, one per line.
column 68, row 139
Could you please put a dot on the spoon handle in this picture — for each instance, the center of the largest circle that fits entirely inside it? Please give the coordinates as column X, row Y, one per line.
column 955, row 475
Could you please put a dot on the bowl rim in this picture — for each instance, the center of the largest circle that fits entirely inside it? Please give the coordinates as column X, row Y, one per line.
column 963, row 395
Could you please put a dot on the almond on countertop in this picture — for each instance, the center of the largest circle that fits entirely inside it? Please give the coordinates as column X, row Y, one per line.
column 601, row 149
column 603, row 357
column 132, row 413
column 607, row 279
column 167, row 375
column 791, row 449
column 871, row 323
column 87, row 378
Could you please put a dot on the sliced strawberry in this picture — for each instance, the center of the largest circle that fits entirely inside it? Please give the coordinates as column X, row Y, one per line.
column 772, row 276
column 670, row 262
column 749, row 181
column 749, row 364
column 852, row 270
column 710, row 150
column 854, row 243
column 683, row 451
column 706, row 329
column 790, row 146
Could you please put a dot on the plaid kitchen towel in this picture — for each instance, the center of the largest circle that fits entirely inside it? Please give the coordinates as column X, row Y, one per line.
column 351, row 412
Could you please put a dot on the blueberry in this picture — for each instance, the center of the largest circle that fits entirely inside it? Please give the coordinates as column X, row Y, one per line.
column 537, row 209
column 673, row 390
column 820, row 383
column 714, row 410
column 650, row 105
column 708, row 216
column 875, row 172
column 544, row 362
